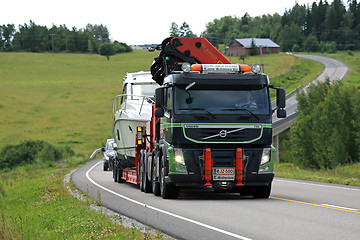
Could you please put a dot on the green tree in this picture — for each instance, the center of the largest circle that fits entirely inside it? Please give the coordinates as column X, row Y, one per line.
column 174, row 30
column 185, row 31
column 311, row 44
column 99, row 32
column 254, row 49
column 6, row 35
column 290, row 35
column 326, row 132
column 107, row 49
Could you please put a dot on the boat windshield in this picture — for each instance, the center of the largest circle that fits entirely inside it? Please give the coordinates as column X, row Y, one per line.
column 144, row 89
column 225, row 101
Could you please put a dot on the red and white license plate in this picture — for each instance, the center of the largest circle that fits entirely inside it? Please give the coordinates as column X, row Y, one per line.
column 223, row 173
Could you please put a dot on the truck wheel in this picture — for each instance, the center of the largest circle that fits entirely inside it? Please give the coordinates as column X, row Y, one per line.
column 106, row 166
column 155, row 183
column 146, row 183
column 168, row 191
column 111, row 163
column 141, row 173
column 262, row 191
column 119, row 175
column 115, row 174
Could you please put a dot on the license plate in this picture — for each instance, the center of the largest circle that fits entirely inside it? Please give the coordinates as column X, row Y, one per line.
column 223, row 173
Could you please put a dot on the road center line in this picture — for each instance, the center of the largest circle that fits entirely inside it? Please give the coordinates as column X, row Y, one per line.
column 334, row 206
column 319, row 205
column 160, row 210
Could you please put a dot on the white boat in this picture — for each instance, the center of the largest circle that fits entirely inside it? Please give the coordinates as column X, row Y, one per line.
column 131, row 109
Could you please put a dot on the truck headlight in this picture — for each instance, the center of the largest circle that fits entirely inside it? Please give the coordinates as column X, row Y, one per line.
column 179, row 157
column 265, row 158
column 107, row 158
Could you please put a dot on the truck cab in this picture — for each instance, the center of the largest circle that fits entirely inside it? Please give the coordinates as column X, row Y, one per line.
column 216, row 115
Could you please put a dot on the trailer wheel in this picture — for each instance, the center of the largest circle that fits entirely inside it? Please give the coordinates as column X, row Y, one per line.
column 146, row 183
column 119, row 175
column 115, row 174
column 106, row 166
column 141, row 171
column 168, row 191
column 155, row 183
column 262, row 191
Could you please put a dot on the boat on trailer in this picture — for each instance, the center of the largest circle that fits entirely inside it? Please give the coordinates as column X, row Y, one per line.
column 131, row 109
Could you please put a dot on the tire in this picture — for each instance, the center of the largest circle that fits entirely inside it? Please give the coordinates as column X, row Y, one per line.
column 111, row 164
column 115, row 174
column 168, row 191
column 155, row 183
column 106, row 166
column 119, row 175
column 146, row 182
column 141, row 173
column 262, row 191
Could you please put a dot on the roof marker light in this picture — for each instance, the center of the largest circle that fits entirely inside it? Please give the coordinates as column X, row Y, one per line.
column 220, row 68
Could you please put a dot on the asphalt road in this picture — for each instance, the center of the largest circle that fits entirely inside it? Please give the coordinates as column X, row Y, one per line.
column 295, row 210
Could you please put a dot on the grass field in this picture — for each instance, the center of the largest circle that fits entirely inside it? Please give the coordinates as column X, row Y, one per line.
column 66, row 99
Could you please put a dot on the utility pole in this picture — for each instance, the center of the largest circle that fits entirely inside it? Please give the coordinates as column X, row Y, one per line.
column 262, row 60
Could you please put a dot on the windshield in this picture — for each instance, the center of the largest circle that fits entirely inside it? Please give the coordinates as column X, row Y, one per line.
column 144, row 89
column 225, row 101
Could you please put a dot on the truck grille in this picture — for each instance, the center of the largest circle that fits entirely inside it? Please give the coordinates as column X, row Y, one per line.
column 238, row 135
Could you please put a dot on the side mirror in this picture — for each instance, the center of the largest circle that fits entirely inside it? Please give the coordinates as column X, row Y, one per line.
column 281, row 113
column 103, row 149
column 159, row 97
column 159, row 112
column 280, row 98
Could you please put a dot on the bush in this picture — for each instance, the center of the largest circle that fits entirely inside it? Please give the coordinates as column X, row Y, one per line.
column 32, row 151
column 327, row 131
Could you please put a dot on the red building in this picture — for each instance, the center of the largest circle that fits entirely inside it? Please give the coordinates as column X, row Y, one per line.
column 243, row 46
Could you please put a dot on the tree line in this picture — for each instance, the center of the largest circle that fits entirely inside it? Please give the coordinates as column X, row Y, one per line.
column 35, row 38
column 317, row 27
column 328, row 125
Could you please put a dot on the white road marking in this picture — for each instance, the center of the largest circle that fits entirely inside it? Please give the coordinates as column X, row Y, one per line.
column 334, row 206
column 162, row 211
column 319, row 185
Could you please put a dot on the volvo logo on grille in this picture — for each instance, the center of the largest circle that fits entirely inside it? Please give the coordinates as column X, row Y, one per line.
column 223, row 133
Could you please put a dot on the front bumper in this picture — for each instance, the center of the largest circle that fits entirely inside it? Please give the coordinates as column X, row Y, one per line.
column 192, row 180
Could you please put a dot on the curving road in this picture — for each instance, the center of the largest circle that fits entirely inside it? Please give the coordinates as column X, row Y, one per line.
column 334, row 69
column 295, row 210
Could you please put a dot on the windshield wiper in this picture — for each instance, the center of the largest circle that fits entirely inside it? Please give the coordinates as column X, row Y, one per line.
column 203, row 109
column 241, row 109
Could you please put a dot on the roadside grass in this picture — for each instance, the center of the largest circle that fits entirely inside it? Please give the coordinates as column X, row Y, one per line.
column 35, row 205
column 346, row 175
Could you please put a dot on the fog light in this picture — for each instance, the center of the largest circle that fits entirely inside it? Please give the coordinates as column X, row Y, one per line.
column 179, row 157
column 265, row 158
